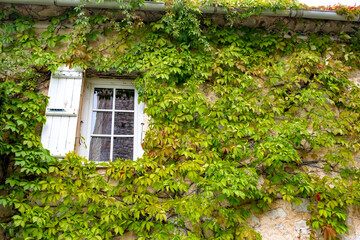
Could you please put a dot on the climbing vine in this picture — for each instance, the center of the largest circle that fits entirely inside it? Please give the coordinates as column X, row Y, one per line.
column 239, row 117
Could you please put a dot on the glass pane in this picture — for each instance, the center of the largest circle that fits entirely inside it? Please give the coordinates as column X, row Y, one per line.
column 103, row 98
column 124, row 124
column 124, row 99
column 101, row 123
column 100, row 149
column 123, row 148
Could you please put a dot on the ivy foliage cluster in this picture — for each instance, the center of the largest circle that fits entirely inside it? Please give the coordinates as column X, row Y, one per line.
column 238, row 117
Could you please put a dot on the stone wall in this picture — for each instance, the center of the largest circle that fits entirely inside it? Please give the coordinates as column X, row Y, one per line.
column 285, row 221
column 5, row 216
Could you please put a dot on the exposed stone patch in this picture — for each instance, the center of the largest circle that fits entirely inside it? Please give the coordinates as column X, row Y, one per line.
column 302, row 206
column 254, row 221
column 127, row 236
column 355, row 77
column 288, row 236
column 279, row 222
column 285, row 221
column 280, row 226
column 302, row 229
column 353, row 223
column 276, row 213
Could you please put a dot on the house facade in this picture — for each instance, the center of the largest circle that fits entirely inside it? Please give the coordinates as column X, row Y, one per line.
column 100, row 113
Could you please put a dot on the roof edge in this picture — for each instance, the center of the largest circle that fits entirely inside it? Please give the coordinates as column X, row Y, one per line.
column 160, row 6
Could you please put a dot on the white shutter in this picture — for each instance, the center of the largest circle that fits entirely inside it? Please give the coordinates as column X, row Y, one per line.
column 139, row 125
column 59, row 132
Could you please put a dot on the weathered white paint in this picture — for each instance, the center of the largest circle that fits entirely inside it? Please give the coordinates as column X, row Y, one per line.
column 59, row 131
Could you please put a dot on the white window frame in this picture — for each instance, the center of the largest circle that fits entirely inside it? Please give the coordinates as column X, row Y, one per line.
column 86, row 115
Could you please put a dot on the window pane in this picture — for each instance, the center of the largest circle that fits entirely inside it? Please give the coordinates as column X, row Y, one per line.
column 124, row 124
column 100, row 149
column 101, row 123
column 103, row 98
column 124, row 99
column 123, row 148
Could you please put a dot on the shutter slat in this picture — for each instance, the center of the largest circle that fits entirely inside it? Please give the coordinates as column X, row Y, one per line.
column 69, row 85
column 59, row 131
column 70, row 140
column 62, row 135
column 54, row 136
column 75, row 100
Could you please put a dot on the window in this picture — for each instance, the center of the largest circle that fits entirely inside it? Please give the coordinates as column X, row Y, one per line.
column 111, row 121
column 111, row 118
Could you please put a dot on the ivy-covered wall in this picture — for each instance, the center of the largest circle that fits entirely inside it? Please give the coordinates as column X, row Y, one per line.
column 240, row 118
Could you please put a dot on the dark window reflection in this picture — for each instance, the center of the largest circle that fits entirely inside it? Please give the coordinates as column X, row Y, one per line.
column 100, row 149
column 103, row 98
column 123, row 148
column 101, row 123
column 124, row 99
column 124, row 124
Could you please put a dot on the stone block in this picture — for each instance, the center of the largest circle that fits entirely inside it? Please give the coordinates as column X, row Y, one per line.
column 302, row 207
column 276, row 213
column 127, row 236
column 302, row 229
column 254, row 220
column 280, row 226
